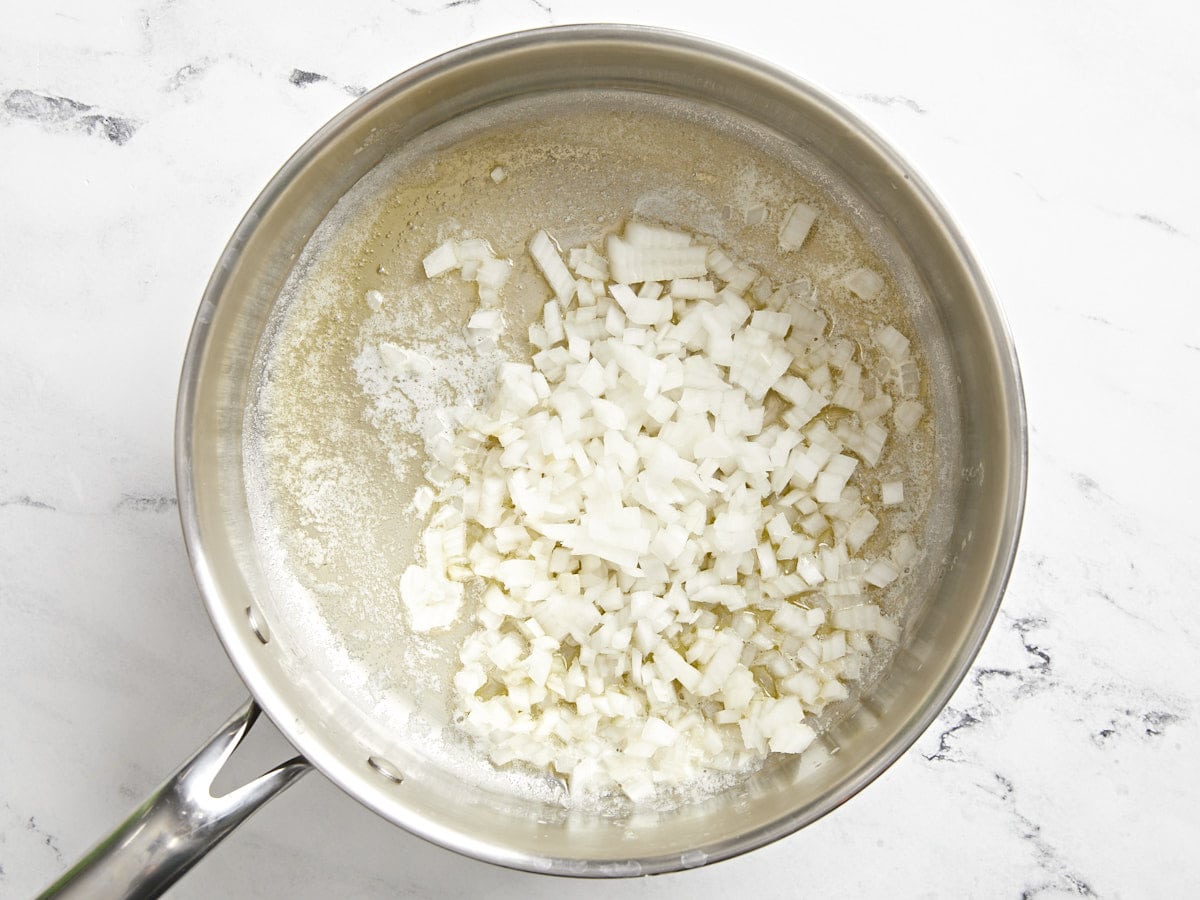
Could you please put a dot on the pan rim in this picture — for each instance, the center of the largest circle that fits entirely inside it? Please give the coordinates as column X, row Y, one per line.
column 236, row 642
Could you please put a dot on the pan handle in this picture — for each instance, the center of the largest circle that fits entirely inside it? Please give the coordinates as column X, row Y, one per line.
column 178, row 824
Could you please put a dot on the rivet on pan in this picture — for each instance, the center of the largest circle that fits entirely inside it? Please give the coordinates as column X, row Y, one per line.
column 258, row 626
column 386, row 769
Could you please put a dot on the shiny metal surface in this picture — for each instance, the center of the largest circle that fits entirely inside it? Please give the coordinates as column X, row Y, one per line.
column 984, row 500
column 178, row 823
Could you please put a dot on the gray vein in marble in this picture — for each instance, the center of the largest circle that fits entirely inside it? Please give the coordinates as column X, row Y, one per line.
column 1023, row 626
column 1151, row 724
column 67, row 114
column 147, row 502
column 1100, row 320
column 1048, row 860
column 302, row 78
column 1157, row 721
column 894, row 100
column 1120, row 588
column 1121, row 608
column 1029, row 680
column 453, row 4
column 1029, row 184
column 1158, row 223
column 443, row 7
column 1034, row 677
column 1147, row 723
column 1047, row 857
column 1088, row 486
column 26, row 501
column 188, row 73
column 46, row 837
column 965, row 720
column 1143, row 218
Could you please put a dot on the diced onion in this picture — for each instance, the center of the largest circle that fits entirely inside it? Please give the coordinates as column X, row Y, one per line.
column 640, row 234
column 908, row 413
column 631, row 264
column 864, row 283
column 441, row 260
column 891, row 493
column 796, row 225
column 664, row 510
column 550, row 264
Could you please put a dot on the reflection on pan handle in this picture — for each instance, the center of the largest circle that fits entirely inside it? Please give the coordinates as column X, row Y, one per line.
column 178, row 824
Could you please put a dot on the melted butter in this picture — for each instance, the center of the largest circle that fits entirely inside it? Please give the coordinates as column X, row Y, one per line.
column 334, row 481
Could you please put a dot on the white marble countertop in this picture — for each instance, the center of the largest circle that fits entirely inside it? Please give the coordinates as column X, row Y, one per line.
column 1063, row 136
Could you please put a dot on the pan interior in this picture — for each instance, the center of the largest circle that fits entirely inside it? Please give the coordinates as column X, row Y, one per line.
column 333, row 451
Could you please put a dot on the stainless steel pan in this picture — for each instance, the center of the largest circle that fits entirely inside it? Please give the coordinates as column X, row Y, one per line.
column 978, row 396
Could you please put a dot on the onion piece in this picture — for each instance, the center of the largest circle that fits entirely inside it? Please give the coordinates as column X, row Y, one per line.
column 796, row 226
column 891, row 493
column 864, row 283
column 907, row 414
column 546, row 258
column 633, row 264
column 663, row 513
column 441, row 260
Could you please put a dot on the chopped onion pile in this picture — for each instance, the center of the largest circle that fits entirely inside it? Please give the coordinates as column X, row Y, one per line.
column 661, row 513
